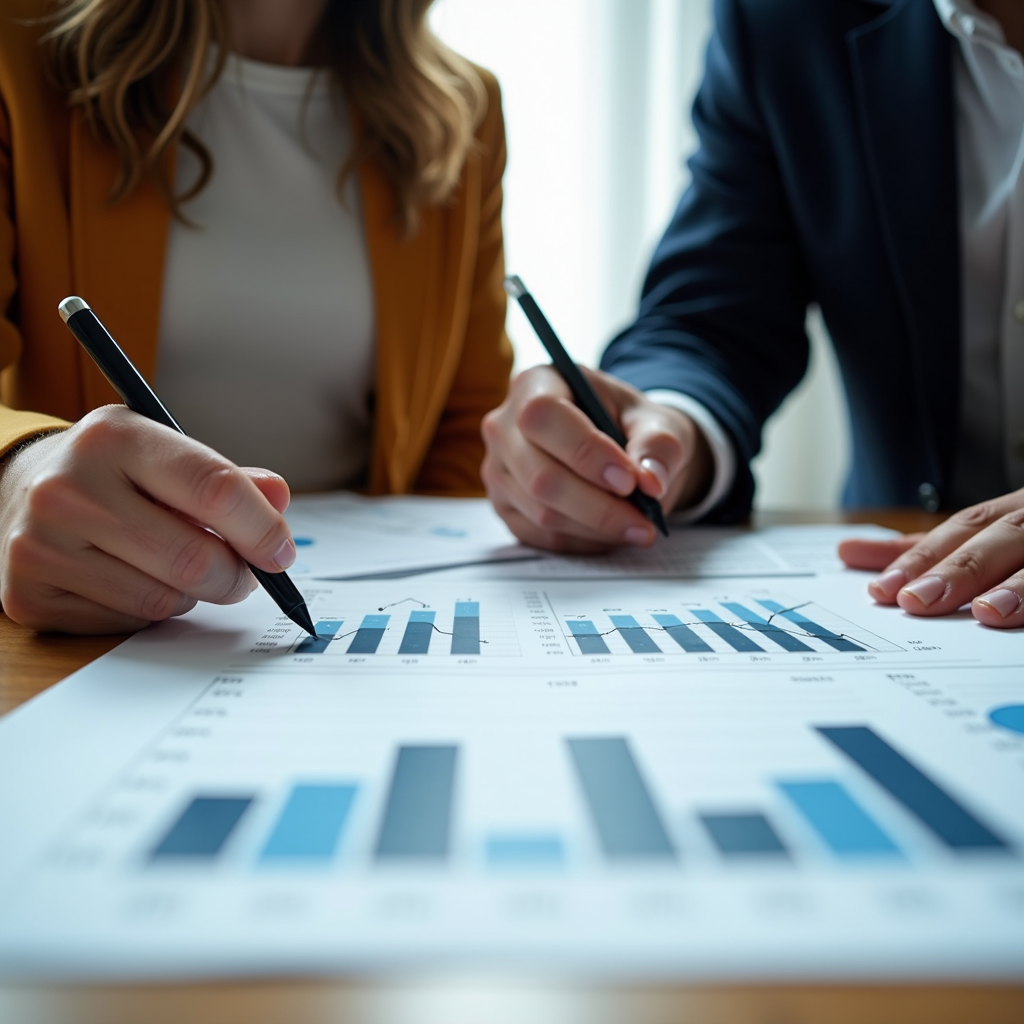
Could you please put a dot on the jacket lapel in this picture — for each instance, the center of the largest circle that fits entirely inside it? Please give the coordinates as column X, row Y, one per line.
column 903, row 78
column 422, row 288
column 117, row 257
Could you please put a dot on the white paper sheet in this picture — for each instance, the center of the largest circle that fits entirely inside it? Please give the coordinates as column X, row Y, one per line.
column 346, row 536
column 530, row 801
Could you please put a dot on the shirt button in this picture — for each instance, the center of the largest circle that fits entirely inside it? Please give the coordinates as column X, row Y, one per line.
column 1018, row 311
column 928, row 495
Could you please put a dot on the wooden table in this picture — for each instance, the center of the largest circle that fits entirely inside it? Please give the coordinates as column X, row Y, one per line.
column 29, row 663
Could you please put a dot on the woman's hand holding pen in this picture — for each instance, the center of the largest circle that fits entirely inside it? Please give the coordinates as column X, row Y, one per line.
column 559, row 483
column 106, row 527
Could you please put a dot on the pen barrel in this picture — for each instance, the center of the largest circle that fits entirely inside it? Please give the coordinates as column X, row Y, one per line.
column 582, row 392
column 118, row 369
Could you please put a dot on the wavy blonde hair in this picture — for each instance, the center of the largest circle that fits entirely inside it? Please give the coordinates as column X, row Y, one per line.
column 137, row 69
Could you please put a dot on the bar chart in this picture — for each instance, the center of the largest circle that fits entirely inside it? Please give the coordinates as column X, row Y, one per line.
column 626, row 815
column 752, row 625
column 453, row 630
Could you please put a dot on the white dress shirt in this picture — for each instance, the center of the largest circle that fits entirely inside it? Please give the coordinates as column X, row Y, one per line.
column 989, row 92
column 266, row 323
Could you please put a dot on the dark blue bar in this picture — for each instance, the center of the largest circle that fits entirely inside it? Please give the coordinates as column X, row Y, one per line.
column 743, row 834
column 466, row 630
column 310, row 824
column 905, row 782
column 785, row 640
column 326, row 631
column 203, row 828
column 733, row 637
column 417, row 817
column 369, row 634
column 418, row 633
column 841, row 822
column 635, row 635
column 628, row 824
column 840, row 643
column 586, row 635
column 683, row 635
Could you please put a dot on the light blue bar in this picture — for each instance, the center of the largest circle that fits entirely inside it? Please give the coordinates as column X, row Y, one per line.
column 326, row 631
column 637, row 638
column 785, row 640
column 310, row 824
column 844, row 825
column 374, row 622
column 525, row 851
column 467, row 609
column 422, row 616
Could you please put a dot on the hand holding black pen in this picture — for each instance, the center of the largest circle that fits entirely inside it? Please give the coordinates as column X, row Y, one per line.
column 117, row 521
column 583, row 394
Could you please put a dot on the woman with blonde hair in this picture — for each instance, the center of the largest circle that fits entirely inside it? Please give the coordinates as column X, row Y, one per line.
column 288, row 212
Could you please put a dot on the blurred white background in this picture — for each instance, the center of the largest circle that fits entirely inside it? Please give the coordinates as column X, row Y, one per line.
column 597, row 97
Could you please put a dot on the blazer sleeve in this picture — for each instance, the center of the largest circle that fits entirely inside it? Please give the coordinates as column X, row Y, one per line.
column 15, row 425
column 724, row 302
column 452, row 465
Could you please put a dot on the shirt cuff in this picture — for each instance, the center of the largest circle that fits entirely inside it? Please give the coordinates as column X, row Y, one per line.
column 722, row 451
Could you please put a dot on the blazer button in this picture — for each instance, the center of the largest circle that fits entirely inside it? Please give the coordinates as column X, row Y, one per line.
column 928, row 495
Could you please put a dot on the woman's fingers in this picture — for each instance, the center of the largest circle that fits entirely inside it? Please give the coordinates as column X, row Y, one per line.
column 875, row 555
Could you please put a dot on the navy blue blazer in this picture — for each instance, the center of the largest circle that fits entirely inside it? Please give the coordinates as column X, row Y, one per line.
column 826, row 173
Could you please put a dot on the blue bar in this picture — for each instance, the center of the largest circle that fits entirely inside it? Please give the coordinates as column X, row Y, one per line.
column 417, row 817
column 738, row 835
column 785, row 640
column 905, row 782
column 310, row 824
column 840, row 643
column 586, row 635
column 635, row 635
column 525, row 851
column 841, row 822
column 733, row 637
column 418, row 631
column 628, row 824
column 369, row 634
column 202, row 829
column 466, row 631
column 683, row 635
column 326, row 631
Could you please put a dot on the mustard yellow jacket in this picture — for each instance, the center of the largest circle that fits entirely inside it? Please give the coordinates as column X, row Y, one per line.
column 442, row 357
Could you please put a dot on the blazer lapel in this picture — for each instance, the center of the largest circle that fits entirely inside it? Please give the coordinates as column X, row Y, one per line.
column 422, row 289
column 903, row 77
column 117, row 257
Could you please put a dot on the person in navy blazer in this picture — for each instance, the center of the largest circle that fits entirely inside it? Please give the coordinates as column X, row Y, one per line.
column 827, row 173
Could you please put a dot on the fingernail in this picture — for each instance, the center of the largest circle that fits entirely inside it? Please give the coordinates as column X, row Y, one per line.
column 618, row 479
column 285, row 554
column 1006, row 602
column 927, row 590
column 655, row 467
column 637, row 535
column 890, row 583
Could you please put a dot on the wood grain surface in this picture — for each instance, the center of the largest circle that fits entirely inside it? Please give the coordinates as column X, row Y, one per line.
column 29, row 663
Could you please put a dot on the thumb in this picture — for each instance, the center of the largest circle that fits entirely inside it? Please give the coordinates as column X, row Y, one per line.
column 875, row 555
column 661, row 442
column 270, row 485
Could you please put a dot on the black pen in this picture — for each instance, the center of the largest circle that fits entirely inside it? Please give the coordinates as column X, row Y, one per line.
column 139, row 397
column 582, row 392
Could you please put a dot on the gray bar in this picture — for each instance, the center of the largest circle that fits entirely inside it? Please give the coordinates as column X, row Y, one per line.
column 627, row 822
column 203, row 828
column 417, row 818
column 743, row 834
column 466, row 628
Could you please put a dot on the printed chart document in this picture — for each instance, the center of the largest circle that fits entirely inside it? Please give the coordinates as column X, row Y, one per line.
column 744, row 778
column 347, row 536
